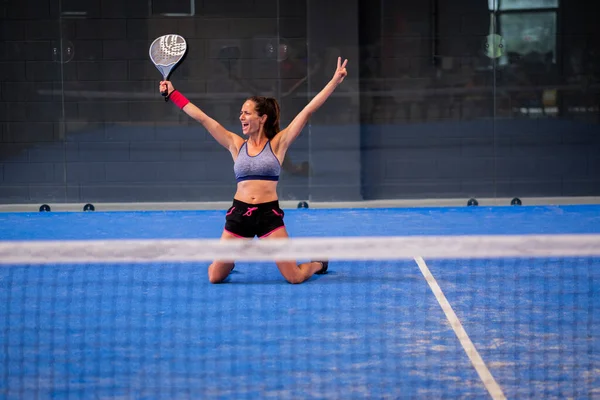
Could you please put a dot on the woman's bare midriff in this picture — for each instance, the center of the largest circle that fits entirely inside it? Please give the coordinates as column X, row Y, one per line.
column 256, row 192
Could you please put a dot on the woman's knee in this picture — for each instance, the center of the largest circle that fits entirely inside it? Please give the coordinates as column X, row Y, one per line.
column 292, row 272
column 218, row 272
column 213, row 278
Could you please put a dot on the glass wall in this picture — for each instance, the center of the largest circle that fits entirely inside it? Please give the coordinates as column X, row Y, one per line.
column 477, row 98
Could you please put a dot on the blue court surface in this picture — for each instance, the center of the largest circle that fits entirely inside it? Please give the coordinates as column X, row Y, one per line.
column 367, row 329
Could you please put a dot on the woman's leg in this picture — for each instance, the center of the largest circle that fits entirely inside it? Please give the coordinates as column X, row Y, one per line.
column 291, row 271
column 219, row 270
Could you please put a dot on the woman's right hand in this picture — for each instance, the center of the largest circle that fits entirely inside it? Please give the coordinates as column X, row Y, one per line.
column 166, row 87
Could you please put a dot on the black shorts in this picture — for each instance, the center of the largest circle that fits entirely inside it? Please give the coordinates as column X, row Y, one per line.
column 249, row 220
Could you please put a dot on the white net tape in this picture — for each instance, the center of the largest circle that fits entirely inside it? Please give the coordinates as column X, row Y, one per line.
column 332, row 248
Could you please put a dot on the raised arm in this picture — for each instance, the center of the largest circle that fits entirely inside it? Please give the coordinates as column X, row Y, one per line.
column 227, row 139
column 289, row 134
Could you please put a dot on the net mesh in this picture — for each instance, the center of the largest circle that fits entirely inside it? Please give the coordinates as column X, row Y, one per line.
column 395, row 317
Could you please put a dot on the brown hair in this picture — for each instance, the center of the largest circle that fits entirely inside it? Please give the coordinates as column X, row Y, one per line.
column 270, row 107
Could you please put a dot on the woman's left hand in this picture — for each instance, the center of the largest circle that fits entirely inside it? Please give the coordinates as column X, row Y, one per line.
column 340, row 72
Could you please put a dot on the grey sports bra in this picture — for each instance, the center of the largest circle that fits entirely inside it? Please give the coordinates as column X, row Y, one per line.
column 263, row 166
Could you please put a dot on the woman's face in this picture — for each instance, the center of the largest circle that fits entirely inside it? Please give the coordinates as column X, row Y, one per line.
column 251, row 121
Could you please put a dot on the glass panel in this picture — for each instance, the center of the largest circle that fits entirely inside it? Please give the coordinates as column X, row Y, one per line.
column 126, row 144
column 428, row 105
column 528, row 35
column 545, row 157
column 32, row 159
column 173, row 7
column 442, row 101
column 526, row 4
column 334, row 130
column 290, row 51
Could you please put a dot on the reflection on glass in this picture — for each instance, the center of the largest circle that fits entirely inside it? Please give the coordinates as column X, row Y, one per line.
column 524, row 4
column 529, row 35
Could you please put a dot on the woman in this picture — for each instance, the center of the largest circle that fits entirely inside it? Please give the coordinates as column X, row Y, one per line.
column 257, row 164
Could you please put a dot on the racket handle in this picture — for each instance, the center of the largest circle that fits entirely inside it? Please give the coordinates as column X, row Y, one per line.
column 165, row 92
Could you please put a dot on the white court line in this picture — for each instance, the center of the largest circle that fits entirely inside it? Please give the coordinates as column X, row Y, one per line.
column 484, row 374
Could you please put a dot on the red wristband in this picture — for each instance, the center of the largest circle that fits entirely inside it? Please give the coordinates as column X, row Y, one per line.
column 178, row 99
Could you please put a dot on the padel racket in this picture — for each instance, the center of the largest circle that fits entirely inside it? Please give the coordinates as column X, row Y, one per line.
column 166, row 52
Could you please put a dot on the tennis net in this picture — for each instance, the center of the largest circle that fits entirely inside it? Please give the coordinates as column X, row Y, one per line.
column 395, row 317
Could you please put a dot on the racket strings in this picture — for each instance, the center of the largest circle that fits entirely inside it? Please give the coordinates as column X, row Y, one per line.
column 170, row 46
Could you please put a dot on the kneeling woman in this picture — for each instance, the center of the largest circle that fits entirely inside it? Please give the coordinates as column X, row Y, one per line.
column 257, row 164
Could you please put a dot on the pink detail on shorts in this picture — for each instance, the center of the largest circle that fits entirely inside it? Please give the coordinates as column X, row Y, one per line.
column 276, row 213
column 237, row 236
column 230, row 211
column 276, row 229
column 249, row 212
